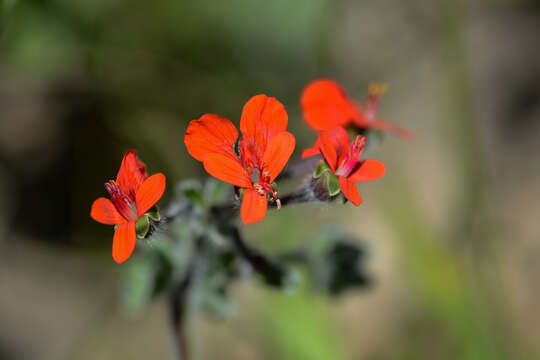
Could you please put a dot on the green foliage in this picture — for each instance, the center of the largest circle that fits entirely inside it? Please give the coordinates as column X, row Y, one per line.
column 302, row 326
column 335, row 263
column 147, row 275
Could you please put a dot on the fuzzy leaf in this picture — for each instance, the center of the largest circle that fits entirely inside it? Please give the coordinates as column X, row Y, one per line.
column 195, row 196
column 214, row 191
column 147, row 275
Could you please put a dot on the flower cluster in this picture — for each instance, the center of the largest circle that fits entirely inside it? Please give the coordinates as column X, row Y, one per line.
column 253, row 162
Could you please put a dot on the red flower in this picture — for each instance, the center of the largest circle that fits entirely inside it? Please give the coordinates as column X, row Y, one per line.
column 326, row 105
column 264, row 150
column 132, row 195
column 342, row 158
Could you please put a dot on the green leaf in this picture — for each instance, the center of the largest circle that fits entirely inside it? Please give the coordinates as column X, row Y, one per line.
column 322, row 167
column 147, row 275
column 332, row 182
column 138, row 284
column 195, row 196
column 214, row 191
column 191, row 190
column 142, row 226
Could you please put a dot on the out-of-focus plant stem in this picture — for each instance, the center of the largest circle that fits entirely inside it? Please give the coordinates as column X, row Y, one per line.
column 179, row 301
column 458, row 90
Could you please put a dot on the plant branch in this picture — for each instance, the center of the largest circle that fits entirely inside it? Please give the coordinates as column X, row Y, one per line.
column 272, row 272
column 179, row 298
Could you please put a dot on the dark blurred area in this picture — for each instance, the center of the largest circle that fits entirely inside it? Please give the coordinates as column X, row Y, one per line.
column 452, row 228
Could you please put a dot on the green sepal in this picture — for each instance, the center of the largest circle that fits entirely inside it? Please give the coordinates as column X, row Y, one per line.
column 142, row 226
column 274, row 186
column 153, row 213
column 332, row 181
column 322, row 167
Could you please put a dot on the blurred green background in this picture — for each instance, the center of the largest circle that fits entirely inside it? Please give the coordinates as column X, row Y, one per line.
column 452, row 228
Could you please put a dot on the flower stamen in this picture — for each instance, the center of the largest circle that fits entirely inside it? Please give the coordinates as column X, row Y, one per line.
column 266, row 188
column 123, row 203
column 351, row 158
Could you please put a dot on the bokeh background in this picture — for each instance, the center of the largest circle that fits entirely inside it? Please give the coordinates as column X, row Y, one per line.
column 452, row 229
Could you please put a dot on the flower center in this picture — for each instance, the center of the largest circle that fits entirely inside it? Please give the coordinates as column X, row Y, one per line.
column 266, row 188
column 351, row 158
column 123, row 203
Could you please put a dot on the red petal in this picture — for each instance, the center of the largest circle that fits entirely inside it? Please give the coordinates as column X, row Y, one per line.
column 263, row 118
column 312, row 151
column 340, row 141
column 367, row 170
column 124, row 241
column 227, row 169
column 104, row 211
column 328, row 151
column 132, row 173
column 325, row 105
column 253, row 206
column 277, row 153
column 397, row 130
column 350, row 191
column 149, row 193
column 210, row 134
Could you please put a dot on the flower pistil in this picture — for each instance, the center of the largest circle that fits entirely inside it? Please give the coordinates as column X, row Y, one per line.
column 350, row 160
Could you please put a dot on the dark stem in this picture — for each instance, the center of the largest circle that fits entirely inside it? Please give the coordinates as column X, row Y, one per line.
column 179, row 298
column 271, row 271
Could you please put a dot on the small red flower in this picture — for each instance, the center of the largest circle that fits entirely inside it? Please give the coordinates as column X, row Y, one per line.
column 326, row 105
column 132, row 195
column 343, row 159
column 263, row 151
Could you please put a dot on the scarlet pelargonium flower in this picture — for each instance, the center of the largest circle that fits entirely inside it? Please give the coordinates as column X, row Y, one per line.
column 263, row 151
column 132, row 195
column 343, row 159
column 326, row 105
